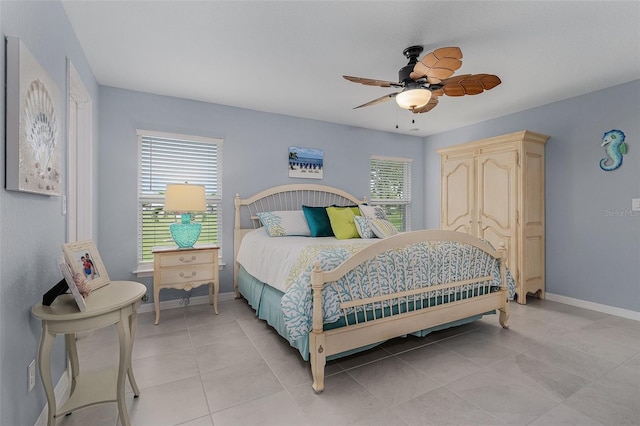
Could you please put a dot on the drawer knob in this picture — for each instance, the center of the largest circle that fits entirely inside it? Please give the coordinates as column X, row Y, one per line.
column 182, row 274
column 182, row 259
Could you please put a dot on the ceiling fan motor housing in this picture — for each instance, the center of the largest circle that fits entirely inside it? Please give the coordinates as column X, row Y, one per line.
column 412, row 54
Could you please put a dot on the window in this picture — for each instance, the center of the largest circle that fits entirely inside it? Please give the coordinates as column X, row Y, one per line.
column 391, row 188
column 168, row 158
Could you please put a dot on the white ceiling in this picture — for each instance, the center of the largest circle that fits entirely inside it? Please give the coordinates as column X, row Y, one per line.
column 288, row 57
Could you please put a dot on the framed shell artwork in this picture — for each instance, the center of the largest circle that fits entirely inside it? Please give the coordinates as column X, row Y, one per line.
column 34, row 124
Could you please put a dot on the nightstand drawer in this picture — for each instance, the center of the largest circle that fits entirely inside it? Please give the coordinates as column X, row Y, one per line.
column 187, row 274
column 193, row 257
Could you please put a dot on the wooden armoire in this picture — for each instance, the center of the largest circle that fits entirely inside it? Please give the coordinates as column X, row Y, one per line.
column 494, row 189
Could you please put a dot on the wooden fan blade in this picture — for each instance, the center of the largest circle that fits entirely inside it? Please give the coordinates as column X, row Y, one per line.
column 448, row 52
column 433, row 102
column 372, row 82
column 379, row 100
column 437, row 92
column 419, row 71
column 489, row 81
column 469, row 84
column 439, row 64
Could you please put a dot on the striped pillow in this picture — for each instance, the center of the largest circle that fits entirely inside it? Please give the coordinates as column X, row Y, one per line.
column 373, row 212
column 382, row 228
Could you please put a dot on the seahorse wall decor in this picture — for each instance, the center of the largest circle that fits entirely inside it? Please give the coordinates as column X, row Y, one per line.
column 614, row 146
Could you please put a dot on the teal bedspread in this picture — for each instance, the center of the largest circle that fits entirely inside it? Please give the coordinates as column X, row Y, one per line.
column 267, row 303
column 418, row 265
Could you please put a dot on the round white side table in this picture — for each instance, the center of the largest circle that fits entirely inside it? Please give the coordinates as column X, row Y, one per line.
column 114, row 304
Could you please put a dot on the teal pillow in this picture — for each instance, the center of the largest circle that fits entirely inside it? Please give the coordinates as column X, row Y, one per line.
column 318, row 221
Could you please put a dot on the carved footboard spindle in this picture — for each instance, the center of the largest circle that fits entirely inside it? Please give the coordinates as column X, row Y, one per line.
column 504, row 311
column 316, row 337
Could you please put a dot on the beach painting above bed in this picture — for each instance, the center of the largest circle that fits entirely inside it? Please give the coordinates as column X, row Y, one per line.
column 306, row 163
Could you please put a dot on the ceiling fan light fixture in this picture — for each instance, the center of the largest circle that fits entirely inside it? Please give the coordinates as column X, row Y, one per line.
column 413, row 98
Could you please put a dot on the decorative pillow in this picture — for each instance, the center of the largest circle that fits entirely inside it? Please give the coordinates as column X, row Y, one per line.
column 373, row 212
column 382, row 228
column 318, row 221
column 285, row 223
column 364, row 227
column 343, row 222
column 355, row 208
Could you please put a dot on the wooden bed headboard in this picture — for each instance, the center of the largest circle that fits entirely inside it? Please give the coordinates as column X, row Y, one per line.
column 279, row 198
column 288, row 197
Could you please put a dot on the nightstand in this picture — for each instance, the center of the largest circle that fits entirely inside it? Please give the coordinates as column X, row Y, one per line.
column 185, row 269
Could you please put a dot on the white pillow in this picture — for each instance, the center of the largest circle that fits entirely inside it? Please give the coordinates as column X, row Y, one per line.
column 364, row 227
column 382, row 228
column 285, row 223
column 373, row 212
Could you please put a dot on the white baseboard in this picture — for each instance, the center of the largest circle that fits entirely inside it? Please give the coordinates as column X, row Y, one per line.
column 612, row 310
column 61, row 391
column 175, row 303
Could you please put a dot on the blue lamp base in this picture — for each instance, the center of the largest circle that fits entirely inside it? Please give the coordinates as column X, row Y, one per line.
column 185, row 234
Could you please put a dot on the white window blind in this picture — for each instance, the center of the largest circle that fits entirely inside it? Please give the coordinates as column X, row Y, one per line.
column 391, row 188
column 170, row 158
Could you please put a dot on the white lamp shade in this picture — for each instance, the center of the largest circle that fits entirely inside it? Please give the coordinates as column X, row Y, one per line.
column 413, row 98
column 183, row 197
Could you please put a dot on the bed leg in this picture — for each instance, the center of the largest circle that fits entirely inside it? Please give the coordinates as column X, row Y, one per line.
column 318, row 361
column 504, row 315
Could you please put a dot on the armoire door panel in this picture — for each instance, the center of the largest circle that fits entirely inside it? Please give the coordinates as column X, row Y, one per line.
column 533, row 172
column 497, row 191
column 457, row 195
column 533, row 265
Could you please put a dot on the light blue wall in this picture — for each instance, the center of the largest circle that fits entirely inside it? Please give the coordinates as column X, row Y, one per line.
column 255, row 156
column 592, row 254
column 33, row 227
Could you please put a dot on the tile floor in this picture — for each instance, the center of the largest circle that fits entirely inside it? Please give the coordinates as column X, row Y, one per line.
column 557, row 365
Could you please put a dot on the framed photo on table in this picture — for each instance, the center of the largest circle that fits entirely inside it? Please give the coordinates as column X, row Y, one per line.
column 83, row 257
column 68, row 277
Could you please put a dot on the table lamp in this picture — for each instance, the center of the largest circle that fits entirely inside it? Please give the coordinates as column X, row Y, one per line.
column 185, row 199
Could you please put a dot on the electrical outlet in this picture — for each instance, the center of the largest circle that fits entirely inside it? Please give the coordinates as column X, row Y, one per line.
column 32, row 374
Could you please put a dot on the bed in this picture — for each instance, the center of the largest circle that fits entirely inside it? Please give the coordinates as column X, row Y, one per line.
column 333, row 296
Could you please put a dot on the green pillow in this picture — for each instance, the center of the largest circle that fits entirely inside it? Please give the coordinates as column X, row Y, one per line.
column 356, row 209
column 343, row 223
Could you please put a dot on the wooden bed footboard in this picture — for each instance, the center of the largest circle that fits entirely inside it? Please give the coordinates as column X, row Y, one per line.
column 415, row 309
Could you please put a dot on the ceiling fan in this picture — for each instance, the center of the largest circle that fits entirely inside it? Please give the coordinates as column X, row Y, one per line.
column 423, row 81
